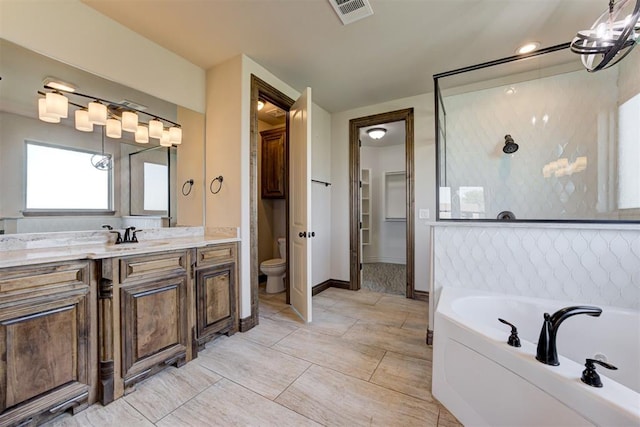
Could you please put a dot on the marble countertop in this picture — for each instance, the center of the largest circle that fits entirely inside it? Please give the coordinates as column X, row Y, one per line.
column 67, row 248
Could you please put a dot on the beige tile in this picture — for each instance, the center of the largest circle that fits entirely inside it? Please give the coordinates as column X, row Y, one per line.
column 254, row 366
column 159, row 395
column 446, row 419
column 269, row 332
column 270, row 307
column 404, row 341
column 347, row 357
column 404, row 374
column 369, row 313
column 418, row 323
column 330, row 323
column 335, row 399
column 323, row 301
column 228, row 404
column 398, row 302
column 118, row 413
column 362, row 296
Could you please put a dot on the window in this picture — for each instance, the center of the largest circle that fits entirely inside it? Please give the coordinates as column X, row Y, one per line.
column 629, row 154
column 64, row 179
column 156, row 182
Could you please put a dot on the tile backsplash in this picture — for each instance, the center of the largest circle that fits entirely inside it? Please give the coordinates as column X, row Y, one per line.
column 595, row 265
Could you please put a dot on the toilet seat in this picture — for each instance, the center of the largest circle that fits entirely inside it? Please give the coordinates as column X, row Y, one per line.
column 275, row 262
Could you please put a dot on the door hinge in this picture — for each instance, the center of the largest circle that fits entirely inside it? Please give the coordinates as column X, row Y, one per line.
column 360, row 225
column 360, row 184
column 360, row 266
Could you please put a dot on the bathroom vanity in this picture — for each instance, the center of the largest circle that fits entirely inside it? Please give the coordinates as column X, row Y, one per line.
column 81, row 323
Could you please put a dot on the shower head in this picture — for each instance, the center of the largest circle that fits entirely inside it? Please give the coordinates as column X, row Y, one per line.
column 510, row 146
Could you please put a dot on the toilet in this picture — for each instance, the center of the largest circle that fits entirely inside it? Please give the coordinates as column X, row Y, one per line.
column 275, row 269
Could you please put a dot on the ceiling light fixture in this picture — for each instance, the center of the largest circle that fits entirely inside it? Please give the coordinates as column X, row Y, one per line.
column 376, row 133
column 260, row 104
column 611, row 37
column 115, row 116
column 527, row 48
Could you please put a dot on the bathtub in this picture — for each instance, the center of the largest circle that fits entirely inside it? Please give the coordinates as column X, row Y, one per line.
column 484, row 381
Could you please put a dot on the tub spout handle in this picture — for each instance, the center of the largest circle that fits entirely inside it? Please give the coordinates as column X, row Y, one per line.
column 590, row 376
column 513, row 340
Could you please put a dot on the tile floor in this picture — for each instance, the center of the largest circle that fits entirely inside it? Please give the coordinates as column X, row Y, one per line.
column 362, row 361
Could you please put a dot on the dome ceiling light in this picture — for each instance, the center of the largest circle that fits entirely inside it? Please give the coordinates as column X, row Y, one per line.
column 611, row 37
column 376, row 133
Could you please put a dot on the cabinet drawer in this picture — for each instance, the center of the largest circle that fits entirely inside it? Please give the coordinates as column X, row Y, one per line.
column 142, row 267
column 32, row 281
column 217, row 254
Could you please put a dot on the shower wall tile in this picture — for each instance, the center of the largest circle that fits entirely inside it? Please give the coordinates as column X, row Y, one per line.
column 594, row 266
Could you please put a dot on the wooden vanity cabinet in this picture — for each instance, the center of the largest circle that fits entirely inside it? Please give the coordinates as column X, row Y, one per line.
column 273, row 166
column 154, row 315
column 47, row 341
column 215, row 292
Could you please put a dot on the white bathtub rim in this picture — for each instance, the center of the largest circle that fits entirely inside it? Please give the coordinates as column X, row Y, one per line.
column 558, row 381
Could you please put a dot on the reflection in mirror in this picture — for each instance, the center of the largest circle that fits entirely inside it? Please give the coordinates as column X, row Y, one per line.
column 24, row 74
column 539, row 138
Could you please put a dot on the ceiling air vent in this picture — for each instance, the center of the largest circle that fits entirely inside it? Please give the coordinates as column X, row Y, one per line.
column 351, row 10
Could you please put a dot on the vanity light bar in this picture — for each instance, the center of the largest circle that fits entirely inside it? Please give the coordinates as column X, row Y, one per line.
column 55, row 106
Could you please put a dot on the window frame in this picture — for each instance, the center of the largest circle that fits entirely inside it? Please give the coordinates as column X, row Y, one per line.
column 71, row 211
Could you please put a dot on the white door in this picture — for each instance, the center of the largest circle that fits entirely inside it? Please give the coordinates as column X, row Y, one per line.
column 300, row 205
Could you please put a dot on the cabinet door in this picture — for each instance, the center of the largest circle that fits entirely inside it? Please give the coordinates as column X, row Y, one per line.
column 273, row 164
column 44, row 342
column 215, row 301
column 154, row 325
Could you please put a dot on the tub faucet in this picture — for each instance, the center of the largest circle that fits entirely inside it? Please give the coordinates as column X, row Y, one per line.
column 547, row 352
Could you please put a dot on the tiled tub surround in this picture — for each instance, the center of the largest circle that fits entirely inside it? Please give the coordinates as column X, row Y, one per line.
column 591, row 263
column 34, row 248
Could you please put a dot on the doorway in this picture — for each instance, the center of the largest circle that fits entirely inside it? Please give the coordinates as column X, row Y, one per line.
column 267, row 94
column 392, row 180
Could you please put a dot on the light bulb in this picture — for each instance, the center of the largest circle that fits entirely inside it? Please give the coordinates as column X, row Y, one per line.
column 97, row 113
column 175, row 135
column 82, row 121
column 44, row 115
column 165, row 139
column 129, row 121
column 114, row 129
column 155, row 128
column 57, row 104
column 142, row 134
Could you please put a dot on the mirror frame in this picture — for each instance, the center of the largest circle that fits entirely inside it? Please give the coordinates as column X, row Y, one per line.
column 438, row 143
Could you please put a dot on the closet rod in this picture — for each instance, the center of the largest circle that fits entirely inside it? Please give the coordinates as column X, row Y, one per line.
column 326, row 184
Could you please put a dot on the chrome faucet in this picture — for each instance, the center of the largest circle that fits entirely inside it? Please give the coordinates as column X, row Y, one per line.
column 547, row 352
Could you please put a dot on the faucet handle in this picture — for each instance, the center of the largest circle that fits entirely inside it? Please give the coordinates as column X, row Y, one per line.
column 107, row 226
column 134, row 238
column 513, row 340
column 118, row 236
column 590, row 376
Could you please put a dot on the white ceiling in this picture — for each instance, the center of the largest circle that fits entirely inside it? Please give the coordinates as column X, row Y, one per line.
column 390, row 55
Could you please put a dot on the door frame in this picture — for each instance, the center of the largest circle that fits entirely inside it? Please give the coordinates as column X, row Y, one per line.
column 355, row 258
column 261, row 89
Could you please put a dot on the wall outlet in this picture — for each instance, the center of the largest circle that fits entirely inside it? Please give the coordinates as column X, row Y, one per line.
column 423, row 213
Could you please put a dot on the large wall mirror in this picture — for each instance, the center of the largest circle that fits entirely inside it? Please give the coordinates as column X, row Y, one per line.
column 51, row 175
column 539, row 139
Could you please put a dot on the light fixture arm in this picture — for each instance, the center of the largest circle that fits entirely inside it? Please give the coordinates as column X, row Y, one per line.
column 108, row 102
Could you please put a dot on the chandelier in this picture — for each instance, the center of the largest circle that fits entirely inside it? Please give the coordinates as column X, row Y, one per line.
column 611, row 37
column 115, row 117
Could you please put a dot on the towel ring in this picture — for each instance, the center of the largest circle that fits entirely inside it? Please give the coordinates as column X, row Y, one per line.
column 190, row 182
column 219, row 179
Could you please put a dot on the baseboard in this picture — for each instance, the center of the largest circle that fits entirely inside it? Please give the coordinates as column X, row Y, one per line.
column 248, row 323
column 421, row 295
column 330, row 283
column 384, row 260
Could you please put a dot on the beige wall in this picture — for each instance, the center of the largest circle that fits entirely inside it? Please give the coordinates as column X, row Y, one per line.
column 61, row 29
column 190, row 208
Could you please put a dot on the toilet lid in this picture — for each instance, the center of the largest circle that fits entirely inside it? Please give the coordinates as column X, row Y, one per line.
column 273, row 262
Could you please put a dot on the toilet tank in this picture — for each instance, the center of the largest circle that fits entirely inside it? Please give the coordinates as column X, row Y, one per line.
column 282, row 247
